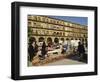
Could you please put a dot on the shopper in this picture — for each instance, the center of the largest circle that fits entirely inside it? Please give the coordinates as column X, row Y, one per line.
column 81, row 50
column 31, row 49
column 43, row 50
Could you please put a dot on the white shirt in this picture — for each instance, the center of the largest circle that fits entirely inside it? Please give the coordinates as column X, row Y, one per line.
column 72, row 42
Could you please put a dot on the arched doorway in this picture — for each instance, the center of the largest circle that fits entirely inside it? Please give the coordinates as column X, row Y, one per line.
column 56, row 43
column 76, row 39
column 49, row 41
column 72, row 39
column 56, row 40
column 62, row 39
column 67, row 38
column 31, row 40
column 41, row 39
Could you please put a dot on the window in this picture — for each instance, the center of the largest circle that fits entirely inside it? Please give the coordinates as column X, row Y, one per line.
column 57, row 22
column 34, row 31
column 38, row 18
column 30, row 23
column 62, row 39
column 43, row 19
column 54, row 33
column 58, row 33
column 34, row 24
column 34, row 18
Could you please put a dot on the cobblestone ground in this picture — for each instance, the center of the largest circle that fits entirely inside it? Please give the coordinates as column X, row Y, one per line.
column 62, row 62
column 65, row 62
column 70, row 60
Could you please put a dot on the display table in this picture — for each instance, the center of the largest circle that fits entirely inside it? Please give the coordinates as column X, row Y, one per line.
column 58, row 51
column 53, row 56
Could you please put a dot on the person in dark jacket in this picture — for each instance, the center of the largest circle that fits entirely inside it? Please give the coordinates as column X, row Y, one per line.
column 35, row 48
column 43, row 50
column 31, row 52
column 81, row 50
column 32, row 49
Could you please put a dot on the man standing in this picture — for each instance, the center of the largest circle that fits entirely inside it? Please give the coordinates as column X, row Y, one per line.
column 81, row 50
column 43, row 50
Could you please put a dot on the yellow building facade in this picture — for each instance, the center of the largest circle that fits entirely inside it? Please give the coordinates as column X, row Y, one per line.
column 51, row 28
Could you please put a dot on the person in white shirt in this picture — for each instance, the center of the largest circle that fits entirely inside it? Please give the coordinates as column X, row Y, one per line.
column 76, row 42
column 72, row 43
column 60, row 42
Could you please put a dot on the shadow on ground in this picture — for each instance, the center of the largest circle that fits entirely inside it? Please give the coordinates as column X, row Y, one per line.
column 77, row 58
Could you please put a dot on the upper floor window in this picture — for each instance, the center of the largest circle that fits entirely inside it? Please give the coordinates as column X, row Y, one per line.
column 38, row 18
column 30, row 23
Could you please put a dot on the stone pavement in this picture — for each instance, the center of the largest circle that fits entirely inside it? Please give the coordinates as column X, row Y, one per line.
column 58, row 59
column 64, row 62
